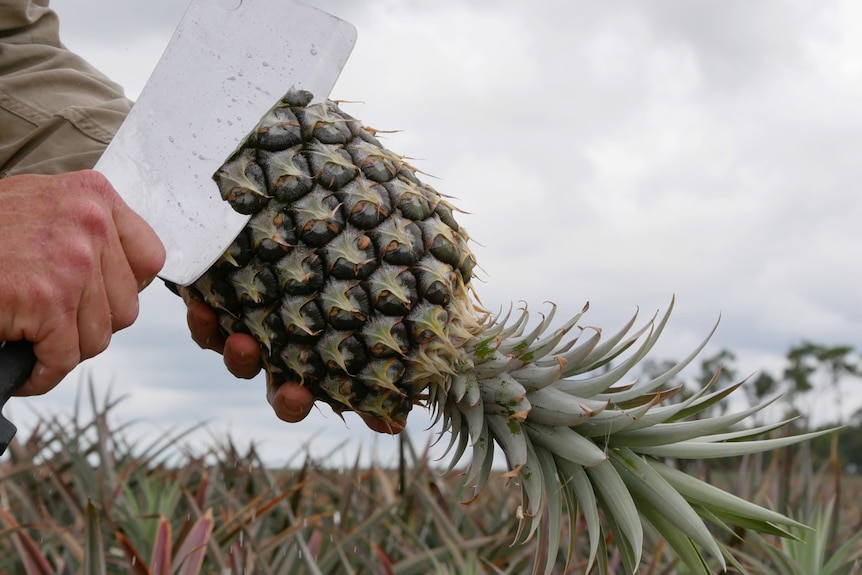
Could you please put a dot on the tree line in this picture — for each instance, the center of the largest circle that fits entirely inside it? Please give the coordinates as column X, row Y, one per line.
column 810, row 389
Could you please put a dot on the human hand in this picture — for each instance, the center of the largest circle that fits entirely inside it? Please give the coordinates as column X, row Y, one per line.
column 74, row 258
column 240, row 351
column 291, row 401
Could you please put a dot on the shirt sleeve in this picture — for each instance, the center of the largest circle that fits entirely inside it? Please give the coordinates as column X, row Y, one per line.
column 57, row 112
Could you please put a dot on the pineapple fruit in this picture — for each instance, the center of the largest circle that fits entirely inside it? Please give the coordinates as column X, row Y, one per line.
column 355, row 278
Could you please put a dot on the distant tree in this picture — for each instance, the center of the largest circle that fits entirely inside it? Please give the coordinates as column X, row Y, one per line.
column 798, row 373
column 807, row 359
column 718, row 367
column 850, row 443
column 710, row 366
column 838, row 363
column 757, row 390
column 652, row 368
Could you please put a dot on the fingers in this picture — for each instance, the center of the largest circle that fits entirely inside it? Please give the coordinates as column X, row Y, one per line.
column 95, row 320
column 73, row 261
column 291, row 401
column 141, row 246
column 393, row 427
column 203, row 325
column 119, row 285
column 242, row 355
column 241, row 351
column 56, row 355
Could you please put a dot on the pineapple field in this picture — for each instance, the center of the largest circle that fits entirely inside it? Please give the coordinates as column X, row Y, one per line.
column 83, row 493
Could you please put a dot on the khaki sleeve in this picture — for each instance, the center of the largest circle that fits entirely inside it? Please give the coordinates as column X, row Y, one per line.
column 57, row 112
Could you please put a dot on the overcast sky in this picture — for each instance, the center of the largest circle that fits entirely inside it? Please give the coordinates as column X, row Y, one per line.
column 617, row 153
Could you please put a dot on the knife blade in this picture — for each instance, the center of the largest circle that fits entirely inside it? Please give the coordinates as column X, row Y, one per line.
column 222, row 70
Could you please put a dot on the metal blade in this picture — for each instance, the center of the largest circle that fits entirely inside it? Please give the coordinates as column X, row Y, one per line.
column 222, row 70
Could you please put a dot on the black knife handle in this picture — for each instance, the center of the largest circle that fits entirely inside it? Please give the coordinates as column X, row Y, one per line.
column 16, row 364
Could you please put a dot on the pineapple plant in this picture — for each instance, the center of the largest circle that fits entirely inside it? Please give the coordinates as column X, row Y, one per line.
column 355, row 278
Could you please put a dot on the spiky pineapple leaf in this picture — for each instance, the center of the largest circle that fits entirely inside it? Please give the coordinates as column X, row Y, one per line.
column 620, row 510
column 717, row 500
column 94, row 543
column 679, row 431
column 581, row 496
column 189, row 558
column 648, row 487
column 552, row 516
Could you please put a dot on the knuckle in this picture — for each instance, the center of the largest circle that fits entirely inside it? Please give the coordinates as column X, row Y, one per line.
column 95, row 345
column 94, row 337
column 59, row 355
column 97, row 182
column 94, row 218
column 155, row 260
column 80, row 257
column 125, row 315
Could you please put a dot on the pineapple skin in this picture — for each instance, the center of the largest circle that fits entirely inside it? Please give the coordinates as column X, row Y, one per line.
column 352, row 273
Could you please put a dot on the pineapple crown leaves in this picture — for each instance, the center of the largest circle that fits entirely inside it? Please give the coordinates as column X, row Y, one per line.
column 578, row 439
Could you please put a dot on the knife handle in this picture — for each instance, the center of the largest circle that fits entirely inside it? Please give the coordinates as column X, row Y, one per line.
column 16, row 364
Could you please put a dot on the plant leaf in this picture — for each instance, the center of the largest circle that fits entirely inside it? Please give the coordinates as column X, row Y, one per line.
column 94, row 543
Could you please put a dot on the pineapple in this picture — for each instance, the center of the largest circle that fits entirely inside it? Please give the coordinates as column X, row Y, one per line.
column 356, row 280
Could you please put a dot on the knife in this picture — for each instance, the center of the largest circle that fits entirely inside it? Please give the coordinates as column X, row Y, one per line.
column 222, row 70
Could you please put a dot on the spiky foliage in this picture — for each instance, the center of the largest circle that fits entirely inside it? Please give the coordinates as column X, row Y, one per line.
column 355, row 278
column 80, row 494
column 577, row 439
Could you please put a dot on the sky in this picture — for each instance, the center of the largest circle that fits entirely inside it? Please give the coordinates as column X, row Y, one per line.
column 618, row 153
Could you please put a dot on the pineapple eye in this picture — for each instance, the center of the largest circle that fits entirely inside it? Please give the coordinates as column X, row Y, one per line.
column 318, row 218
column 279, row 129
column 331, row 165
column 288, row 173
column 242, row 183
